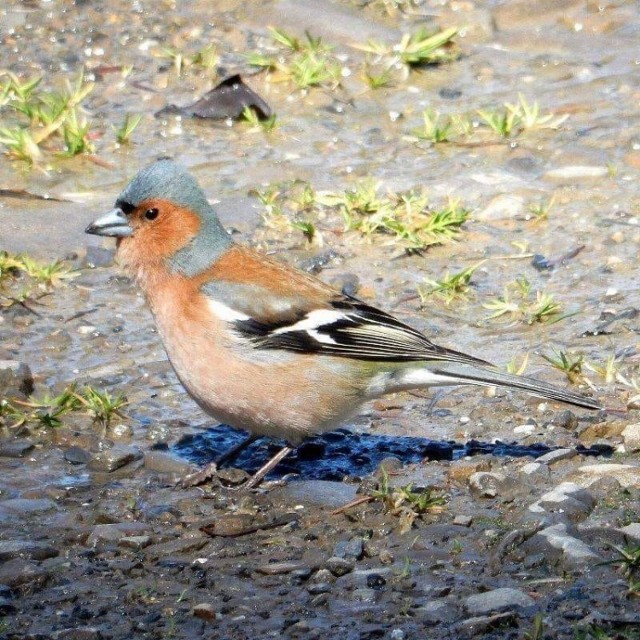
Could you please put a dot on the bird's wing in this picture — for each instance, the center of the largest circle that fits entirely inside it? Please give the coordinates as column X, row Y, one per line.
column 349, row 328
column 276, row 307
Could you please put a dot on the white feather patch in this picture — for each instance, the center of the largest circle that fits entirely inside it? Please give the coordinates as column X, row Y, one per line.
column 226, row 313
column 313, row 321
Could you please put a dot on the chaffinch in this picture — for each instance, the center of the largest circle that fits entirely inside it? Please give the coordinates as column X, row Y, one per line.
column 258, row 344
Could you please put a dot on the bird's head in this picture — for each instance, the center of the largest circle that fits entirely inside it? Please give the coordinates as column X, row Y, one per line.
column 163, row 216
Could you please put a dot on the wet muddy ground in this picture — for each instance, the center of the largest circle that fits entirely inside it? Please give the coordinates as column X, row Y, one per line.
column 96, row 539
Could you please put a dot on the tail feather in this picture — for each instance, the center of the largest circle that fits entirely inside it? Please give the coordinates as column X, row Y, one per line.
column 488, row 377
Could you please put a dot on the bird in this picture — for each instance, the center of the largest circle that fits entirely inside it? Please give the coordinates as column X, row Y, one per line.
column 260, row 345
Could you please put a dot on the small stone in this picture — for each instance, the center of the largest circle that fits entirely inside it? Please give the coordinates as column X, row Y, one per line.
column 462, row 521
column 487, row 484
column 575, row 172
column 498, row 600
column 632, row 532
column 166, row 463
column 112, row 459
column 232, row 476
column 388, row 465
column 78, row 633
column 279, row 568
column 557, row 540
column 354, row 548
column 376, row 581
column 86, row 329
column 631, row 435
column 627, row 475
column 77, row 455
column 318, row 587
column 16, row 448
column 205, row 611
column 557, row 456
column 339, row 566
column 386, row 557
column 28, row 506
column 16, row 379
column 25, row 549
column 134, row 542
column 566, row 420
column 115, row 532
column 567, row 499
column 480, row 625
column 502, row 207
column 533, row 468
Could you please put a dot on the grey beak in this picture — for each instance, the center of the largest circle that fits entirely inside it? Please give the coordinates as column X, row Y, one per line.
column 113, row 224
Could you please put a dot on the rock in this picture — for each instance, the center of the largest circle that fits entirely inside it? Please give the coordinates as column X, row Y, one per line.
column 632, row 532
column 462, row 521
column 436, row 612
column 556, row 541
column 627, row 475
column 353, row 548
column 498, row 600
column 566, row 420
column 567, row 499
column 27, row 506
column 77, row 455
column 115, row 532
column 501, row 207
column 339, row 566
column 576, row 172
column 631, row 435
column 19, row 571
column 112, row 459
column 134, row 542
column 16, row 379
column 232, row 476
column 16, row 448
column 316, row 493
column 480, row 625
column 489, row 485
column 388, row 465
column 163, row 462
column 78, row 633
column 534, row 468
column 26, row 549
column 318, row 587
column 280, row 568
column 557, row 456
column 205, row 611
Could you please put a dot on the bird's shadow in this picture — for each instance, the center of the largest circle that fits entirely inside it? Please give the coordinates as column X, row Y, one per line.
column 340, row 454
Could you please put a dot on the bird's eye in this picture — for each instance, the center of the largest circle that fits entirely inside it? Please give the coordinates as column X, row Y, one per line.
column 151, row 214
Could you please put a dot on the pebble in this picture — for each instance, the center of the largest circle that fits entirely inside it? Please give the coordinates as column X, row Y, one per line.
column 573, row 553
column 575, row 172
column 26, row 549
column 86, row 329
column 566, row 420
column 502, row 207
column 567, row 499
column 318, row 493
column 318, row 588
column 27, row 506
column 463, row 521
column 353, row 548
column 78, row 633
column 163, row 462
column 77, row 455
column 557, row 456
column 112, row 459
column 498, row 600
column 631, row 435
column 632, row 532
column 339, row 566
column 115, row 532
column 16, row 448
column 135, row 542
column 488, row 484
column 20, row 571
column 481, row 625
column 205, row 611
column 533, row 468
column 280, row 568
column 16, row 379
column 627, row 475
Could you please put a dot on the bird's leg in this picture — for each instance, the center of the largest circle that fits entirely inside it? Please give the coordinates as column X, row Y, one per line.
column 259, row 475
column 211, row 469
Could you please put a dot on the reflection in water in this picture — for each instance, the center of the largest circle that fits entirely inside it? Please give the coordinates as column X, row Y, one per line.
column 339, row 454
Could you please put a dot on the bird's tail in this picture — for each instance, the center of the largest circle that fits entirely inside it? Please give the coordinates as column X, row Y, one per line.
column 487, row 377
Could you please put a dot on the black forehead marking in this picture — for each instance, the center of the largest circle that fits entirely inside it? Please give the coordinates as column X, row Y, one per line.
column 125, row 207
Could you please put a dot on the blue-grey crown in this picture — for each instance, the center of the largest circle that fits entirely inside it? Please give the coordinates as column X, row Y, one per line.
column 165, row 180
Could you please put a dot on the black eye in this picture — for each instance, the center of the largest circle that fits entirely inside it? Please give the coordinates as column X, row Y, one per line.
column 151, row 214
